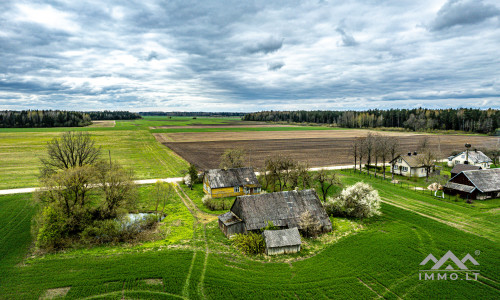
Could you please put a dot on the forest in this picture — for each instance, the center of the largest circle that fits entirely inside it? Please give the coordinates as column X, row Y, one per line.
column 59, row 118
column 191, row 114
column 417, row 119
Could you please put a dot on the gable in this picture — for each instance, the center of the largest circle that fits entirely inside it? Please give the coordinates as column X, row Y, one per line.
column 222, row 178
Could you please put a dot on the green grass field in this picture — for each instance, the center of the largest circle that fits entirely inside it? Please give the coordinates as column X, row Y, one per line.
column 381, row 260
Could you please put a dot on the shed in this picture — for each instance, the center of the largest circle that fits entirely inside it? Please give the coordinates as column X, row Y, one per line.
column 463, row 167
column 284, row 209
column 230, row 224
column 282, row 241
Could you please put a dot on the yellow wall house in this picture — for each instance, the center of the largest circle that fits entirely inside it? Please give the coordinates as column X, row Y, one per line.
column 220, row 183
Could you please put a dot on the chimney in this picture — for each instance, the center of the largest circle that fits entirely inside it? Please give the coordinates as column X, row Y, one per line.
column 414, row 152
column 475, row 150
column 409, row 153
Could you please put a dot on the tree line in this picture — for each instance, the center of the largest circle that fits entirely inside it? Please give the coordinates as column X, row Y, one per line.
column 59, row 118
column 191, row 114
column 43, row 118
column 113, row 115
column 417, row 119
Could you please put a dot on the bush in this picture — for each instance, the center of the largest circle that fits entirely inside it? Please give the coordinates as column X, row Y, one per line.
column 217, row 203
column 251, row 243
column 52, row 229
column 359, row 201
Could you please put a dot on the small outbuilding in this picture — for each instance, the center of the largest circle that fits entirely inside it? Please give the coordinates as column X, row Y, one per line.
column 475, row 184
column 220, row 183
column 462, row 167
column 282, row 241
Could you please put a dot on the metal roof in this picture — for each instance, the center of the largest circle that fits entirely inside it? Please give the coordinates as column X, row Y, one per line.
column 284, row 209
column 221, row 178
column 282, row 238
column 485, row 180
column 476, row 156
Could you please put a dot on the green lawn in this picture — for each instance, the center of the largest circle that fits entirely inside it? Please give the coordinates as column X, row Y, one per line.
column 381, row 260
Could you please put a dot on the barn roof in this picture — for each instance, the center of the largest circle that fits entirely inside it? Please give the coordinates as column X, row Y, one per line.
column 282, row 238
column 220, row 178
column 476, row 156
column 463, row 167
column 282, row 208
column 229, row 218
column 485, row 180
column 459, row 187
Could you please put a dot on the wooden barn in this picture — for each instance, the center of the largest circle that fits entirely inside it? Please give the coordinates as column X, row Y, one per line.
column 282, row 241
column 284, row 209
column 462, row 167
column 475, row 184
column 220, row 183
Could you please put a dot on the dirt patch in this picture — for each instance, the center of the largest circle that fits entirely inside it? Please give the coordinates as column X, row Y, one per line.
column 153, row 281
column 316, row 152
column 55, row 293
column 239, row 125
column 103, row 124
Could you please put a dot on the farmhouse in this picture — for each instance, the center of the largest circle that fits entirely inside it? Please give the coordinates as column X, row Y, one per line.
column 408, row 165
column 284, row 209
column 282, row 241
column 230, row 182
column 474, row 157
column 462, row 167
column 475, row 184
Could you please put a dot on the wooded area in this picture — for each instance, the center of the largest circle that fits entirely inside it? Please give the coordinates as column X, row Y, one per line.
column 417, row 119
column 59, row 118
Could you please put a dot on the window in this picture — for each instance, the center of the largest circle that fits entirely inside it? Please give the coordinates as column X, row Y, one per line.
column 400, row 160
column 405, row 169
column 246, row 190
column 236, row 189
column 257, row 190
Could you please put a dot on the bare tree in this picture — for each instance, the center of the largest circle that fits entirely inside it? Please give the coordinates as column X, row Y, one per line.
column 393, row 149
column 325, row 181
column 427, row 159
column 71, row 149
column 369, row 147
column 232, row 158
column 383, row 150
column 162, row 194
column 279, row 169
column 354, row 151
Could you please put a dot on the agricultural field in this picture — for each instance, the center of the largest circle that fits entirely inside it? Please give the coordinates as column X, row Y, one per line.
column 381, row 260
column 316, row 147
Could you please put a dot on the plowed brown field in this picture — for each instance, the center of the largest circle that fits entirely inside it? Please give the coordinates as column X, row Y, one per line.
column 317, row 148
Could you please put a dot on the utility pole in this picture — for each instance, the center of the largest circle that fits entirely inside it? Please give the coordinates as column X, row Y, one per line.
column 109, row 151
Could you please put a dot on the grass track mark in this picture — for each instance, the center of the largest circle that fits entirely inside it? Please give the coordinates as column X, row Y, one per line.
column 369, row 287
column 185, row 290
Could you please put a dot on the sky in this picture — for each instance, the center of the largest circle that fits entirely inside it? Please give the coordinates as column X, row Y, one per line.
column 244, row 56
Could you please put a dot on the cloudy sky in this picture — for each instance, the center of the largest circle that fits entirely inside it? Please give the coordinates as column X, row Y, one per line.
column 249, row 55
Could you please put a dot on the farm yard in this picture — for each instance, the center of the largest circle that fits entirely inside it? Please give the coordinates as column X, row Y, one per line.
column 316, row 147
column 372, row 258
column 371, row 263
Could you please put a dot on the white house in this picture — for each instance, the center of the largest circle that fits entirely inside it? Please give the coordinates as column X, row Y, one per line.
column 408, row 165
column 474, row 157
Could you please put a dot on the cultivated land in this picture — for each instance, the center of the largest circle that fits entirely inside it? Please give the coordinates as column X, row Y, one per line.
column 318, row 148
column 374, row 258
column 381, row 260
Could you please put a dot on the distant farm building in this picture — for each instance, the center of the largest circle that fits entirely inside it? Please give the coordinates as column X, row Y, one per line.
column 284, row 209
column 282, row 241
column 408, row 165
column 462, row 167
column 471, row 157
column 220, row 183
column 475, row 184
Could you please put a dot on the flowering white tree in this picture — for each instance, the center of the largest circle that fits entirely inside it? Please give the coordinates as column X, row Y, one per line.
column 359, row 201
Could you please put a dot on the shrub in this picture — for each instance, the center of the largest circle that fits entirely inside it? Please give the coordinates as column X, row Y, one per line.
column 359, row 201
column 52, row 229
column 309, row 225
column 217, row 203
column 269, row 226
column 251, row 243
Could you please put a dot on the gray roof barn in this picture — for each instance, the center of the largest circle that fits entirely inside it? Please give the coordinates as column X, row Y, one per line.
column 284, row 209
column 282, row 241
column 459, row 187
column 476, row 156
column 463, row 167
column 484, row 180
column 282, row 238
column 221, row 178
